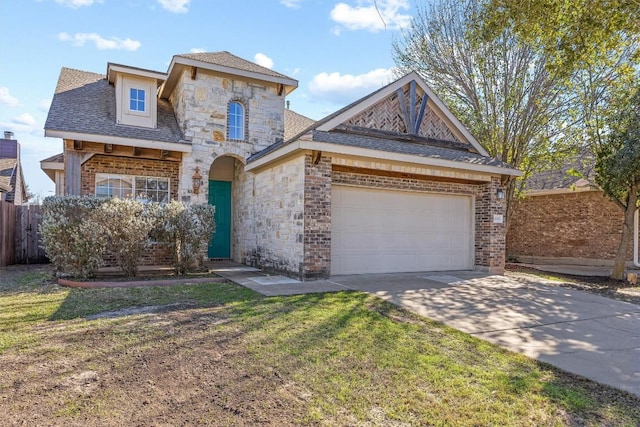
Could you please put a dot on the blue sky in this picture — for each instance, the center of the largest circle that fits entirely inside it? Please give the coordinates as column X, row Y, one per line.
column 337, row 50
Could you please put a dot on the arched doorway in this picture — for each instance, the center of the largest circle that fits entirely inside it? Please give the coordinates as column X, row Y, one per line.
column 220, row 196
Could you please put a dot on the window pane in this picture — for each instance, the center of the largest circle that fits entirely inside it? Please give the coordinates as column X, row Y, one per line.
column 235, row 121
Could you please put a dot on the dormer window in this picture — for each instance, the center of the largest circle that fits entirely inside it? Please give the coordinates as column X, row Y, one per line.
column 137, row 100
column 235, row 121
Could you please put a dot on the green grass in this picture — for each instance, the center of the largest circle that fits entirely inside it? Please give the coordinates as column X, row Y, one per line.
column 350, row 359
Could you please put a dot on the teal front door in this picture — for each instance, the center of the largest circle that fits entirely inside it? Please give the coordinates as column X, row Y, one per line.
column 220, row 197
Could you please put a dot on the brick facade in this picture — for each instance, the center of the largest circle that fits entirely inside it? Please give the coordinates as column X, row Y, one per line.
column 155, row 255
column 583, row 226
column 489, row 236
column 101, row 163
column 317, row 217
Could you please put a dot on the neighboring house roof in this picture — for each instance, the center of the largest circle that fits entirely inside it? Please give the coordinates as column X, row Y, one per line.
column 85, row 103
column 7, row 170
column 576, row 172
column 51, row 164
column 57, row 158
column 295, row 123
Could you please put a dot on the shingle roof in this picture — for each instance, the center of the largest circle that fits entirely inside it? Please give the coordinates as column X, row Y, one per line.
column 578, row 171
column 295, row 123
column 7, row 166
column 57, row 158
column 227, row 59
column 85, row 102
column 404, row 147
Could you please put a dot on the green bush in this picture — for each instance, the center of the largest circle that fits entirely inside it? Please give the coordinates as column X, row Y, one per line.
column 73, row 234
column 77, row 231
column 185, row 230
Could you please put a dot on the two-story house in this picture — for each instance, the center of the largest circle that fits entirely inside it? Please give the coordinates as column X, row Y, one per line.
column 392, row 182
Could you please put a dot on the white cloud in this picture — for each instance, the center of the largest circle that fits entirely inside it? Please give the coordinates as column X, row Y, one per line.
column 77, row 3
column 6, row 98
column 344, row 88
column 175, row 6
column 44, row 105
column 112, row 43
column 264, row 60
column 366, row 16
column 293, row 4
column 25, row 119
column 197, row 50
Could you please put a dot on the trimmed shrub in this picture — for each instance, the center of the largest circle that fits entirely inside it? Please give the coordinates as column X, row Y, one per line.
column 128, row 223
column 73, row 235
column 186, row 230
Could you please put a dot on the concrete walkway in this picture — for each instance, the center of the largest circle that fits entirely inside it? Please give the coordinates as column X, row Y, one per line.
column 579, row 332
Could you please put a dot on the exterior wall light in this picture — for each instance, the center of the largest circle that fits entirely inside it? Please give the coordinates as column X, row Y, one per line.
column 500, row 193
column 197, row 181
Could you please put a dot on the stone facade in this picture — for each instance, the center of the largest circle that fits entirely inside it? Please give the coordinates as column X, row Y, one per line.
column 268, row 217
column 576, row 227
column 489, row 236
column 201, row 104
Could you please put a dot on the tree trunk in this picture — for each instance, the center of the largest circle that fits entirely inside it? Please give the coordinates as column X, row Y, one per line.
column 627, row 235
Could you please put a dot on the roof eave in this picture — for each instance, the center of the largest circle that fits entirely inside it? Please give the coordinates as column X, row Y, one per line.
column 304, row 145
column 109, row 139
column 179, row 61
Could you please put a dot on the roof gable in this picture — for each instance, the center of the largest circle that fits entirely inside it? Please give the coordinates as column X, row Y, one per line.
column 407, row 106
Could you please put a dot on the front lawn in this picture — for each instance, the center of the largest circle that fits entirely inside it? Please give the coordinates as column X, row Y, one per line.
column 219, row 354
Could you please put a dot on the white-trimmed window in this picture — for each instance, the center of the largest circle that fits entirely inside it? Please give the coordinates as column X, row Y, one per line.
column 137, row 100
column 152, row 189
column 235, row 121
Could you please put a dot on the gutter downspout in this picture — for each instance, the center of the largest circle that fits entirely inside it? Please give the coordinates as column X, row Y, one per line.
column 636, row 262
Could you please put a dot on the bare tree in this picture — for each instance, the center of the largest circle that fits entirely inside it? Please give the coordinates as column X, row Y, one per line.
column 500, row 89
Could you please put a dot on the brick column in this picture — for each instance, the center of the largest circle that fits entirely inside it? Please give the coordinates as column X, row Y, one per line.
column 490, row 233
column 317, row 218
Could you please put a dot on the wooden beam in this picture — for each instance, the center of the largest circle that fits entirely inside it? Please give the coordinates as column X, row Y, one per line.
column 77, row 144
column 280, row 89
column 137, row 151
column 194, row 73
column 108, row 148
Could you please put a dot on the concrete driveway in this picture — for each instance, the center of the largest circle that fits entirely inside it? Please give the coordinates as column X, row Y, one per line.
column 582, row 333
column 579, row 332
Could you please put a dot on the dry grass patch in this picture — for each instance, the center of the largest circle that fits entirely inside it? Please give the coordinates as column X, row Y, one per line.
column 218, row 354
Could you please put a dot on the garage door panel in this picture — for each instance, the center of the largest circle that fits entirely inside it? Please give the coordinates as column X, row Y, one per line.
column 385, row 231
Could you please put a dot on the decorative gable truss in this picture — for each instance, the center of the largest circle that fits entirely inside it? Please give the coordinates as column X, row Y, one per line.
column 407, row 107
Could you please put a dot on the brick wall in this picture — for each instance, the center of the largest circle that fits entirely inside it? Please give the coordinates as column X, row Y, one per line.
column 317, row 218
column 489, row 236
column 583, row 225
column 101, row 163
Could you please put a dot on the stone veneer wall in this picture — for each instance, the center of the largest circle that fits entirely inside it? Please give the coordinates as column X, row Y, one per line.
column 268, row 217
column 490, row 240
column 317, row 218
column 201, row 110
column 583, row 225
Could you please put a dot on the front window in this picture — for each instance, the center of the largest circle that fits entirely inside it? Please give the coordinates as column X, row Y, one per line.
column 136, row 100
column 235, row 121
column 150, row 189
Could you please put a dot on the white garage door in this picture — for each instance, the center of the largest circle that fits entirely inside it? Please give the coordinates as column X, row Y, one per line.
column 384, row 231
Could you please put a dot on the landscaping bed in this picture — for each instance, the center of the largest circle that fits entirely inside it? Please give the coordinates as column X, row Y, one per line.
column 220, row 354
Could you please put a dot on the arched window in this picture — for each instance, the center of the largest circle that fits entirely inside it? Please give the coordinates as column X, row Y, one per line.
column 235, row 121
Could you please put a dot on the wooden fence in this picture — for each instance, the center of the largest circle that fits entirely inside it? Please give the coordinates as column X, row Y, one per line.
column 19, row 236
